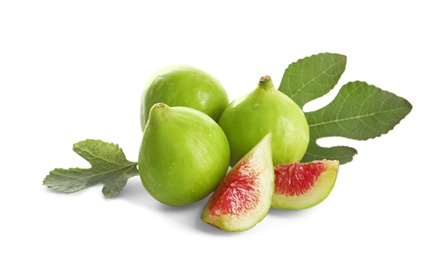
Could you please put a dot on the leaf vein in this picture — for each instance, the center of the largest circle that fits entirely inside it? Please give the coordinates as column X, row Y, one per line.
column 337, row 120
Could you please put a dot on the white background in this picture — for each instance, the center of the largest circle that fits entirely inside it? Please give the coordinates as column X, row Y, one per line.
column 71, row 70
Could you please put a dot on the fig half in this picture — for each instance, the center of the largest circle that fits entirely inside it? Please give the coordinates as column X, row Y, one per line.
column 243, row 197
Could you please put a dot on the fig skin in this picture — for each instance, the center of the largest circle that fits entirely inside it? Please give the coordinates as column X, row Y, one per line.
column 183, row 155
column 249, row 118
column 184, row 85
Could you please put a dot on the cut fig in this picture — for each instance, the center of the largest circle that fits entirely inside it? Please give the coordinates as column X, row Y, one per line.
column 243, row 197
column 303, row 185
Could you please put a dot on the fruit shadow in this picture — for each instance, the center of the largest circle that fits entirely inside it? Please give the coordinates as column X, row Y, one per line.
column 287, row 213
column 135, row 193
column 187, row 216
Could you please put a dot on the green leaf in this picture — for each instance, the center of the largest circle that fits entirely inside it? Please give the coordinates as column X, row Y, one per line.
column 312, row 77
column 109, row 166
column 359, row 111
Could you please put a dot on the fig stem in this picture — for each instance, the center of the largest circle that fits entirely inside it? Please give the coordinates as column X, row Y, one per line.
column 265, row 82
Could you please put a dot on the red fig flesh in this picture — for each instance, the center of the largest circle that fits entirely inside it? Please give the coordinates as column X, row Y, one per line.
column 303, row 185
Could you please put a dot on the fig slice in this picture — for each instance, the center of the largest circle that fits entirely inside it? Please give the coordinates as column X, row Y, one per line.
column 243, row 197
column 303, row 185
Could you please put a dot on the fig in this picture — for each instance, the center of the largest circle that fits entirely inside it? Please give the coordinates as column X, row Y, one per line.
column 243, row 197
column 303, row 185
column 183, row 155
column 184, row 85
column 249, row 118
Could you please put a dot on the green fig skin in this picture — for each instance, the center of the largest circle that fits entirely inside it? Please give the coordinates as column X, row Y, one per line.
column 183, row 155
column 249, row 118
column 184, row 85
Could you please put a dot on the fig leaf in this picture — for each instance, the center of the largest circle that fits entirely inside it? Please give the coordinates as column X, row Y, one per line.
column 312, row 77
column 109, row 167
column 359, row 111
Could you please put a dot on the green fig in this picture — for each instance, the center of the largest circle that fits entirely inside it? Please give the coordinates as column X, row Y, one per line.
column 184, row 85
column 183, row 155
column 249, row 118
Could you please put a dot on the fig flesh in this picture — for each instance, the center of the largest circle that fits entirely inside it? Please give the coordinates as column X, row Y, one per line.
column 183, row 155
column 303, row 185
column 184, row 85
column 243, row 197
column 249, row 118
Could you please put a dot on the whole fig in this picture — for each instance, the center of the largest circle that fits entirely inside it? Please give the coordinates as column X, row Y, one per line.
column 249, row 118
column 184, row 85
column 183, row 155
